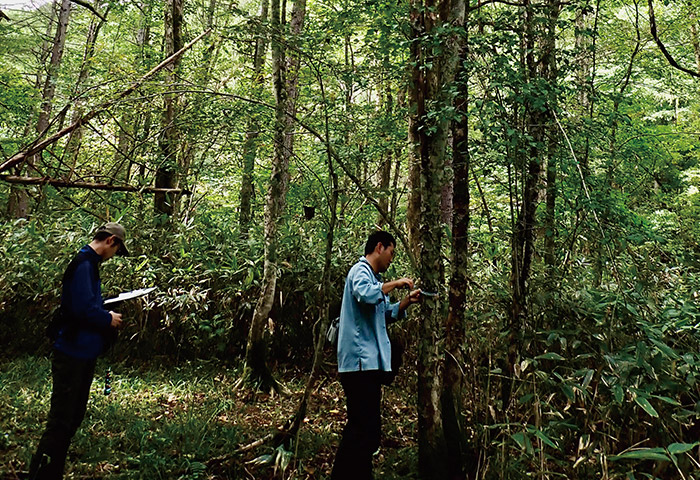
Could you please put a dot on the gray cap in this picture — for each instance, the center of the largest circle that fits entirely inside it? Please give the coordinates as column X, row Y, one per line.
column 118, row 231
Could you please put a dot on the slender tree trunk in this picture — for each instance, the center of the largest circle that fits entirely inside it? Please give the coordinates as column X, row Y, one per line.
column 168, row 168
column 539, row 62
column 324, row 293
column 141, row 124
column 455, row 328
column 417, row 111
column 584, row 45
column 75, row 137
column 285, row 71
column 538, row 120
column 19, row 199
column 252, row 131
column 385, row 168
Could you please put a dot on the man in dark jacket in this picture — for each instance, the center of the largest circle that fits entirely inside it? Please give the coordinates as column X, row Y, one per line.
column 84, row 330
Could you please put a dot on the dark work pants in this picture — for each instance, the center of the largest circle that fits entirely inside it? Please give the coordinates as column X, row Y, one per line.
column 363, row 391
column 72, row 378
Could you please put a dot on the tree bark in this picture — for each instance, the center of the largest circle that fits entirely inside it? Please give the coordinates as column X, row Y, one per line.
column 169, row 166
column 285, row 70
column 460, row 460
column 253, row 131
column 433, row 75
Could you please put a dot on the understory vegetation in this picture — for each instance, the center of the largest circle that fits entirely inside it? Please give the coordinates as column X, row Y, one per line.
column 538, row 162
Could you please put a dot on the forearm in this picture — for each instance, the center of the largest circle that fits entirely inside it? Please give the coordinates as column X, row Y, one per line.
column 405, row 302
column 389, row 286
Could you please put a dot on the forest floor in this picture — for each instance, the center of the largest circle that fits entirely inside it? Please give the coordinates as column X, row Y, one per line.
column 185, row 422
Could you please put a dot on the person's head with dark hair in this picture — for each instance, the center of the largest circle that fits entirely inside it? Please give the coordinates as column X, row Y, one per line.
column 110, row 240
column 375, row 238
column 379, row 250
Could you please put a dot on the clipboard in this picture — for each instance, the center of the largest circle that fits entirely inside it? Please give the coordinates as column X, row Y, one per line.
column 129, row 295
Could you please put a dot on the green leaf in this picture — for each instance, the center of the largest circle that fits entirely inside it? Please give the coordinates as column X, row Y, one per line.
column 568, row 391
column 667, row 400
column 549, row 356
column 618, row 393
column 523, row 442
column 539, row 434
column 665, row 349
column 644, row 403
column 642, row 454
column 676, row 448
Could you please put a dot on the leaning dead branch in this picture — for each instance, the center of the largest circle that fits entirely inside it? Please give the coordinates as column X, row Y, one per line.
column 88, row 185
column 38, row 146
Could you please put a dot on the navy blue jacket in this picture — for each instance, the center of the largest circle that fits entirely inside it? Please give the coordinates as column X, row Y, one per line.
column 81, row 301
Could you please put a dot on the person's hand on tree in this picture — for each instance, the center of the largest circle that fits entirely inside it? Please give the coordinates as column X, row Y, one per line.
column 415, row 296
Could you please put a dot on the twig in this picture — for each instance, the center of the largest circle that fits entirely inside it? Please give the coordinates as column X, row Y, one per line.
column 588, row 196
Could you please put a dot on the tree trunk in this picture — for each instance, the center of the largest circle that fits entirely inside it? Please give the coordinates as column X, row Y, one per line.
column 168, row 168
column 460, row 460
column 385, row 168
column 285, row 71
column 538, row 39
column 325, row 288
column 432, row 78
column 141, row 124
column 19, row 199
column 415, row 99
column 584, row 61
column 253, row 130
column 74, row 139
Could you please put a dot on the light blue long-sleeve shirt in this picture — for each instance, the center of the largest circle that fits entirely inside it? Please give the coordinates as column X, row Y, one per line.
column 363, row 343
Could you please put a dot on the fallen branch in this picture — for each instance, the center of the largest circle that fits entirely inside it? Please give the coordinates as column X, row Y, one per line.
column 88, row 185
column 37, row 146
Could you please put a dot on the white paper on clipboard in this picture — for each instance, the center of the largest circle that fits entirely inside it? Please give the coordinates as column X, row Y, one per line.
column 129, row 295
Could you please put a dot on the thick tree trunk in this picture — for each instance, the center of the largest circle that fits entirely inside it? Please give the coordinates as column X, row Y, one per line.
column 251, row 138
column 19, row 199
column 285, row 71
column 430, row 136
column 168, row 168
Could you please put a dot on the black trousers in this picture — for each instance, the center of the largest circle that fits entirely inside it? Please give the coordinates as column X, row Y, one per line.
column 72, row 378
column 363, row 391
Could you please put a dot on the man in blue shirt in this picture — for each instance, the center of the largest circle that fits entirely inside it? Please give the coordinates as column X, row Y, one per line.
column 82, row 335
column 364, row 352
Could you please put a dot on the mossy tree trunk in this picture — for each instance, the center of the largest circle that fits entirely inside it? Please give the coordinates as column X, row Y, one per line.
column 432, row 78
